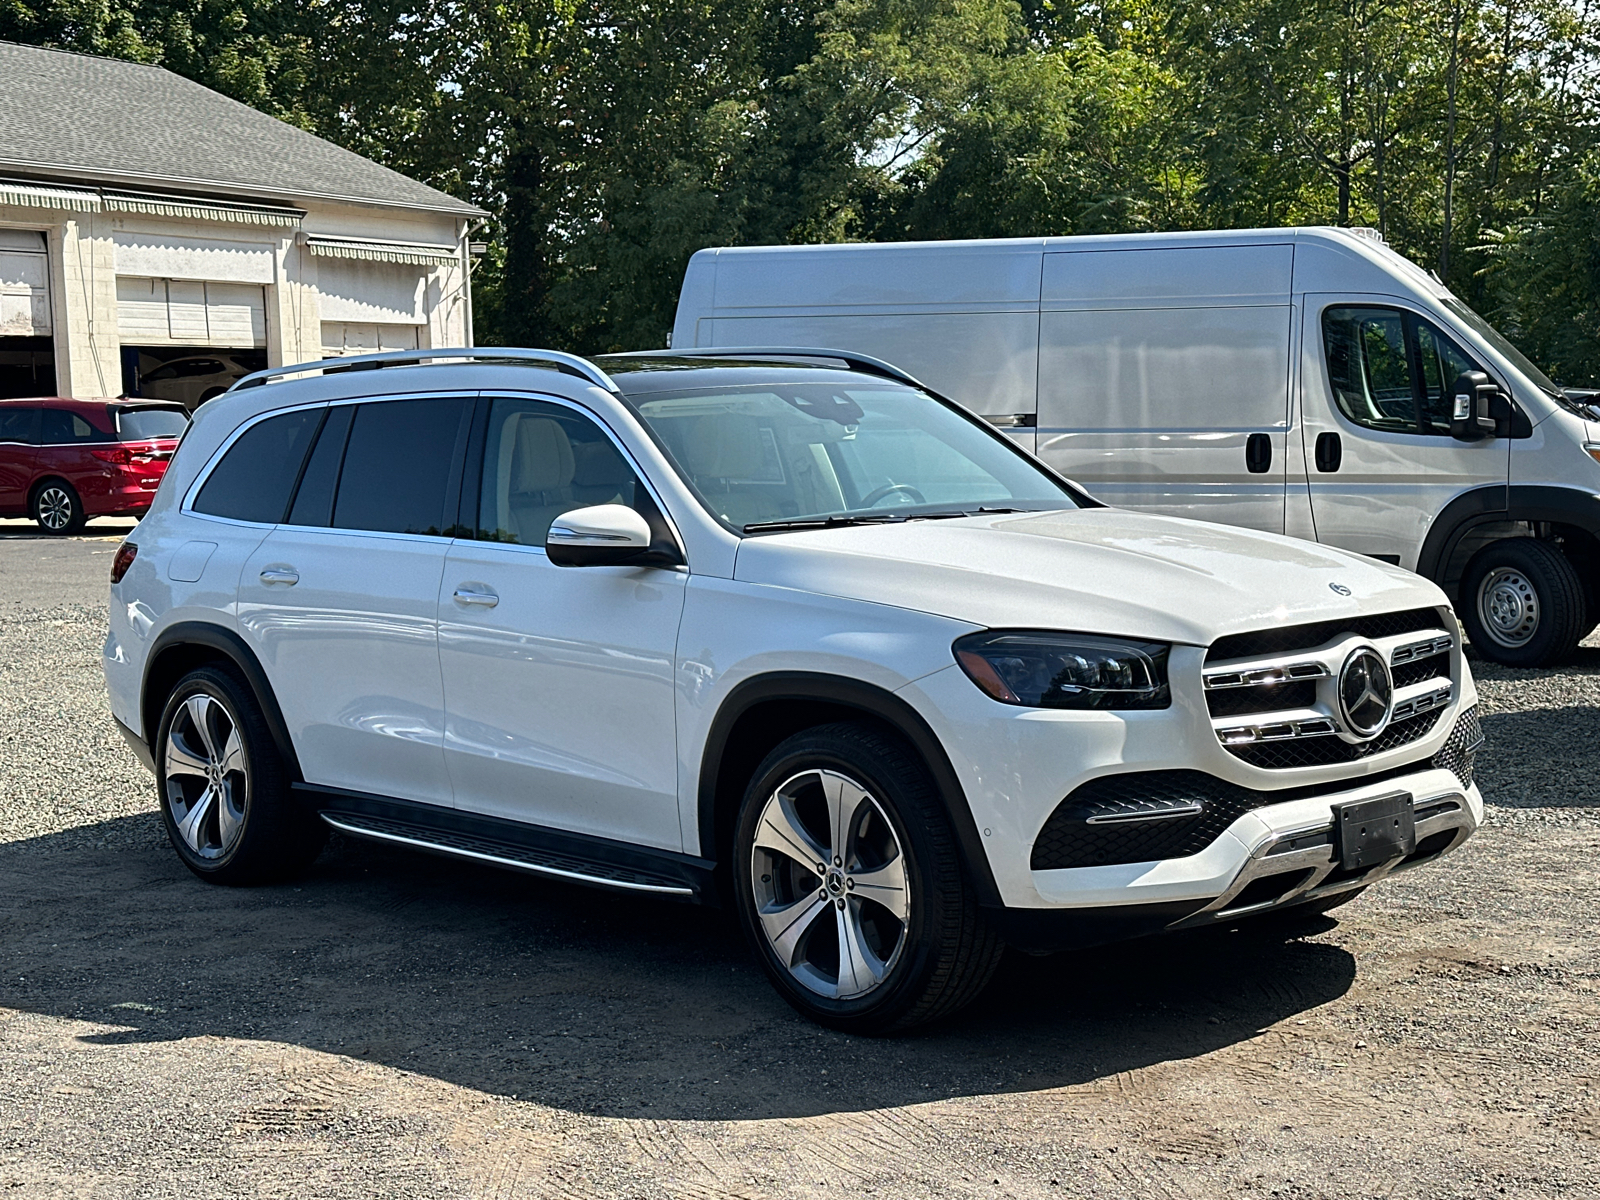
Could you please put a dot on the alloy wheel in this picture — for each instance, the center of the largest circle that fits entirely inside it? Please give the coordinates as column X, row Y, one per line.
column 1508, row 607
column 829, row 877
column 55, row 509
column 207, row 778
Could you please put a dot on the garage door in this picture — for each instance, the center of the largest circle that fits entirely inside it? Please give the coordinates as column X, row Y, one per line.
column 188, row 312
column 357, row 337
column 24, row 286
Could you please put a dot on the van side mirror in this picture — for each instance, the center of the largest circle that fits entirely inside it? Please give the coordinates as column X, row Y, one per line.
column 604, row 535
column 1478, row 409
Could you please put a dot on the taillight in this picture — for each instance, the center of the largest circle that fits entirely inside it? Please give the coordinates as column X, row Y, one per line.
column 120, row 455
column 126, row 553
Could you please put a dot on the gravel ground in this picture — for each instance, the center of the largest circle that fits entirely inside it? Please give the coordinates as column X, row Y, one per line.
column 402, row 1026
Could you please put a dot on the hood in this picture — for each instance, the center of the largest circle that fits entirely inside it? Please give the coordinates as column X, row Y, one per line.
column 1099, row 570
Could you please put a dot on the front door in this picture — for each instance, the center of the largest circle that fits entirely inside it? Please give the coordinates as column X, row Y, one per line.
column 18, row 433
column 557, row 680
column 1376, row 394
column 339, row 601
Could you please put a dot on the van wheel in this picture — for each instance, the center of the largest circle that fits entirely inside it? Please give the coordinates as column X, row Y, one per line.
column 1523, row 603
column 225, row 794
column 57, row 508
column 848, row 883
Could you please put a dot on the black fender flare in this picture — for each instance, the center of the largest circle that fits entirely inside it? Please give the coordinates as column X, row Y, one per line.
column 236, row 650
column 872, row 701
column 1499, row 503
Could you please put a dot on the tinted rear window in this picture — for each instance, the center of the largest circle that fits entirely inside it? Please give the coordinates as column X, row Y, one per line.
column 397, row 466
column 142, row 424
column 256, row 475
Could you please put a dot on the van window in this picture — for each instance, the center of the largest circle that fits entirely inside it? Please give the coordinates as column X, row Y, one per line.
column 58, row 427
column 541, row 460
column 1391, row 370
column 256, row 475
column 143, row 424
column 397, row 466
column 16, row 424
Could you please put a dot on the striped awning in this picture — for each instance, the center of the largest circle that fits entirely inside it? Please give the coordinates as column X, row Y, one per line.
column 154, row 205
column 38, row 195
column 416, row 253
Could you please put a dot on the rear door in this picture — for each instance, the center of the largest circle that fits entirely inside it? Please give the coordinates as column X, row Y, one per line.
column 1163, row 378
column 1380, row 461
column 339, row 601
column 19, row 426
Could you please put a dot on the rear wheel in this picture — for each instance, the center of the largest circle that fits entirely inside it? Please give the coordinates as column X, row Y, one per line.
column 57, row 507
column 1523, row 603
column 850, row 888
column 225, row 794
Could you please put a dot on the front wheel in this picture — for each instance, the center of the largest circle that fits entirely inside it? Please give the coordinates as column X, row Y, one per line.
column 57, row 508
column 225, row 794
column 850, row 888
column 1522, row 603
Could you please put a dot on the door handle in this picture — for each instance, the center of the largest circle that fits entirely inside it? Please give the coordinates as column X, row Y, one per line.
column 1258, row 453
column 284, row 575
column 1330, row 453
column 466, row 596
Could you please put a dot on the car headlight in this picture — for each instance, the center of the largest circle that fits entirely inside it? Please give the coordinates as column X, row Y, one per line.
column 1040, row 669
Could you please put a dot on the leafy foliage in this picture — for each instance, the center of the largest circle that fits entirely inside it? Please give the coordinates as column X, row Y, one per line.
column 613, row 138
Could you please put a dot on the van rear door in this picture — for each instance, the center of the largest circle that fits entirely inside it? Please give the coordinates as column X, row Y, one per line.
column 1163, row 378
column 1376, row 397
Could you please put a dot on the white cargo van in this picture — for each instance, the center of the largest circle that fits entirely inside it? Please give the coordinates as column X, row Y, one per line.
column 1303, row 381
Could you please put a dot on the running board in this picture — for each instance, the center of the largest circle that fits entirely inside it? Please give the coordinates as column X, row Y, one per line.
column 552, row 853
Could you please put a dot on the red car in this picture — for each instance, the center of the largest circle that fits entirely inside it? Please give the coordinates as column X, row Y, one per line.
column 64, row 461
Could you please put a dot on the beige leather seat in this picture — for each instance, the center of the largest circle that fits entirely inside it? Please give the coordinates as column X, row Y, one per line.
column 533, row 482
column 725, row 448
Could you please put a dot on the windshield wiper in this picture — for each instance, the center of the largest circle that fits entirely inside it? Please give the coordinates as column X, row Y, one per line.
column 981, row 511
column 833, row 522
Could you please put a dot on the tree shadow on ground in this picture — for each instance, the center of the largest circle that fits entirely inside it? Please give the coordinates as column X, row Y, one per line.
column 580, row 999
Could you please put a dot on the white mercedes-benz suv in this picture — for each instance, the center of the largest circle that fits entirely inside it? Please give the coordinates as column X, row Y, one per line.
column 778, row 629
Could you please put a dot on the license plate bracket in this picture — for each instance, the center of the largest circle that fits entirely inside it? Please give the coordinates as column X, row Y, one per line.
column 1371, row 832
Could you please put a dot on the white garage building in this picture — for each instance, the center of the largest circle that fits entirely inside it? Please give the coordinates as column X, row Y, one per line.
column 151, row 227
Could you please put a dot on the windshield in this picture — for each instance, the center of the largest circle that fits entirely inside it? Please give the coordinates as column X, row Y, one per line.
column 1499, row 341
column 777, row 455
column 141, row 424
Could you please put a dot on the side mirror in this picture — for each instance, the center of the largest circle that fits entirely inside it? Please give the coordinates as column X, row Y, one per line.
column 606, row 535
column 1473, row 414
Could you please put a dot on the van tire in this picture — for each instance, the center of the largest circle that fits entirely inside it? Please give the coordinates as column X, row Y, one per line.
column 943, row 953
column 1523, row 604
column 56, row 508
column 253, row 830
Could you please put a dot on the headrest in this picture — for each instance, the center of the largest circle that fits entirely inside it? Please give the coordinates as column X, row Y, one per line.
column 597, row 464
column 543, row 457
column 725, row 446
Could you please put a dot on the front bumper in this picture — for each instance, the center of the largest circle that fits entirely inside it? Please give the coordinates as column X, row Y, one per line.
column 1270, row 859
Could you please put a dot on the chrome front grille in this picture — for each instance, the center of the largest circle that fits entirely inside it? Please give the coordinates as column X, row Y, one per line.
column 1278, row 706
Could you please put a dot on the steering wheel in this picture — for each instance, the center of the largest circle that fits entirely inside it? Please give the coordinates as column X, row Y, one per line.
column 889, row 489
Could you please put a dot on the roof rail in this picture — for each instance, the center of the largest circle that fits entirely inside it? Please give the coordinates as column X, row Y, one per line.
column 860, row 362
column 569, row 364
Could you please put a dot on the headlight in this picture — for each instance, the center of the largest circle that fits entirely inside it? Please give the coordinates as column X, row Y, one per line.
column 1066, row 670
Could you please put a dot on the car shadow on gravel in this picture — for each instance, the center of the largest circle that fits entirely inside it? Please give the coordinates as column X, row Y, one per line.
column 580, row 999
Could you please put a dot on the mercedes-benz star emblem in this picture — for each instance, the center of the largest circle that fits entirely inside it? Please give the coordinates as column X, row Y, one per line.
column 1366, row 693
column 1340, row 589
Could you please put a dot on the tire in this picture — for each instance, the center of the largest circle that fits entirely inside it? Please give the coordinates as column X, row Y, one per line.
column 921, row 947
column 213, row 742
column 57, row 508
column 1523, row 603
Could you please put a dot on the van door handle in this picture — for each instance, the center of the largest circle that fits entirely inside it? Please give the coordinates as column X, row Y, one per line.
column 1258, row 453
column 466, row 596
column 284, row 575
column 1330, row 453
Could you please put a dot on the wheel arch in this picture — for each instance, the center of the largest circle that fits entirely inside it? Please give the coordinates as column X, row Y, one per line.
column 1482, row 515
column 762, row 711
column 187, row 645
